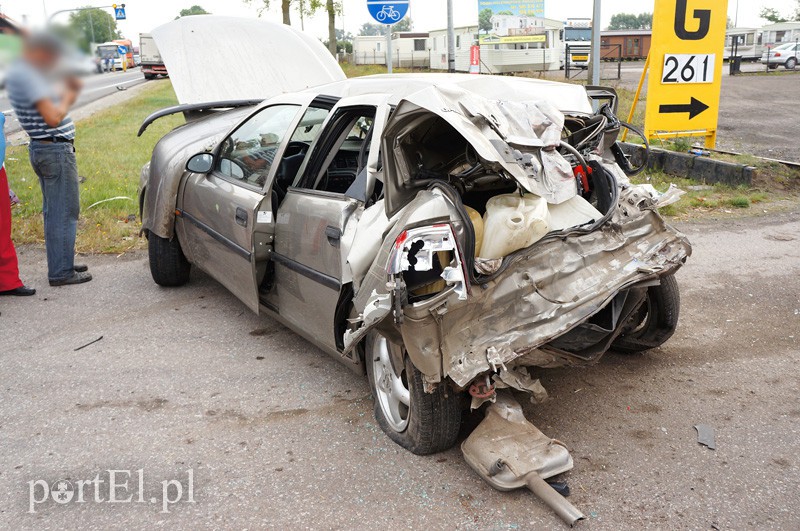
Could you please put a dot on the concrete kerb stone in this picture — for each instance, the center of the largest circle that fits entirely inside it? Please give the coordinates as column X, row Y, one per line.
column 696, row 168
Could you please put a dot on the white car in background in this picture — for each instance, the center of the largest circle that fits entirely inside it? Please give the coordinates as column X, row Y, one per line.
column 787, row 55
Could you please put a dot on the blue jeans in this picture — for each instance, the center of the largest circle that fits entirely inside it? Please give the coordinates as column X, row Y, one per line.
column 57, row 169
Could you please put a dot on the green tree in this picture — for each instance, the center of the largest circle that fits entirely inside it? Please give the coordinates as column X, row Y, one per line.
column 263, row 5
column 772, row 15
column 341, row 36
column 631, row 21
column 194, row 10
column 92, row 25
column 485, row 20
column 404, row 25
column 369, row 29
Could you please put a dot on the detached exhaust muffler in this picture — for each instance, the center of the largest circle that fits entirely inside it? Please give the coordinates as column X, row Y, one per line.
column 509, row 453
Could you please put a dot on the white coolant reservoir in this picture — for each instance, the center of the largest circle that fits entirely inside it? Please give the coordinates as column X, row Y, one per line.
column 513, row 222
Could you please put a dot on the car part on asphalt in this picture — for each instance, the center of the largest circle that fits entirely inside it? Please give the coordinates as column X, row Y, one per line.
column 705, row 436
column 509, row 453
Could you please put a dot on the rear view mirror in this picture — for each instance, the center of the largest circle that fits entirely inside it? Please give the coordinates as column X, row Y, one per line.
column 201, row 163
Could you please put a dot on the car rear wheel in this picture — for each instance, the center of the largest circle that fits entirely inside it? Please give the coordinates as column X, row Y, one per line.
column 773, row 66
column 423, row 423
column 168, row 265
column 655, row 322
column 791, row 63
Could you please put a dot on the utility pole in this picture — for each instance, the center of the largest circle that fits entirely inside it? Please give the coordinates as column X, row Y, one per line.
column 91, row 25
column 389, row 59
column 451, row 39
column 596, row 23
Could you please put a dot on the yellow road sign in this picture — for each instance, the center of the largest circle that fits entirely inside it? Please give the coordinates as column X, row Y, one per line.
column 686, row 68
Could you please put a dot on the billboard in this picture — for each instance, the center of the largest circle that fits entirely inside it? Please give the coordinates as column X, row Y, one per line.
column 504, row 22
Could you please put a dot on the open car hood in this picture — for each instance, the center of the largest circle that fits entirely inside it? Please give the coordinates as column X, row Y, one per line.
column 215, row 58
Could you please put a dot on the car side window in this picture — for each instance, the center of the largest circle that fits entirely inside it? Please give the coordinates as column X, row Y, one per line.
column 299, row 147
column 248, row 154
column 345, row 152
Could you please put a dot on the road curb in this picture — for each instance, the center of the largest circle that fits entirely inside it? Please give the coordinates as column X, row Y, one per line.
column 697, row 168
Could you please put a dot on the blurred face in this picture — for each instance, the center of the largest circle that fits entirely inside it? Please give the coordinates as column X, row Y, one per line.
column 40, row 57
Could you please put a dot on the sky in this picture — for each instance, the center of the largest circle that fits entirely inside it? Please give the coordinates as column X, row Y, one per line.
column 144, row 15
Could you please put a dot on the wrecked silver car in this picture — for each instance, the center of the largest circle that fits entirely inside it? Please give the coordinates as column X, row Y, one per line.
column 443, row 234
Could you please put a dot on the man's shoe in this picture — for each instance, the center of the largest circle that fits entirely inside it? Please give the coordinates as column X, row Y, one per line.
column 77, row 278
column 81, row 268
column 21, row 291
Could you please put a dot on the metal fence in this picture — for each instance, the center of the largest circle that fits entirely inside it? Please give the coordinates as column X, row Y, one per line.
column 411, row 60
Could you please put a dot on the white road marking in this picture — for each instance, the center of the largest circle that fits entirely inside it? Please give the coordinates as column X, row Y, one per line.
column 115, row 85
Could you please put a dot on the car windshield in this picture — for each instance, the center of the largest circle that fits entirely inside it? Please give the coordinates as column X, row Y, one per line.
column 787, row 46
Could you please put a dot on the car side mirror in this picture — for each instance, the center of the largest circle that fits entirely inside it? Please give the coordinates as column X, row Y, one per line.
column 201, row 163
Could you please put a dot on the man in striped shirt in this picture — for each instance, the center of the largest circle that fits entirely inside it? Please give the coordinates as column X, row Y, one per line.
column 44, row 115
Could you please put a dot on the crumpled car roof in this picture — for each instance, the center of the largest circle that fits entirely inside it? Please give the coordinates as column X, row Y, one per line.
column 567, row 98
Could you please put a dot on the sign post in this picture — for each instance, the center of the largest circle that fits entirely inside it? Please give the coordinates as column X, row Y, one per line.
column 686, row 69
column 388, row 12
column 475, row 59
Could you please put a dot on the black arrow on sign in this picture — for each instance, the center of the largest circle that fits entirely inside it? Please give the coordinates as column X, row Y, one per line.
column 695, row 108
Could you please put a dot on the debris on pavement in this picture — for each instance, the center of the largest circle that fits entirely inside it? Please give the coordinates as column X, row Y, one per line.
column 89, row 344
column 705, row 436
column 509, row 452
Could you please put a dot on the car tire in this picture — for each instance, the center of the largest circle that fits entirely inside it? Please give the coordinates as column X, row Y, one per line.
column 149, row 76
column 168, row 265
column 791, row 64
column 430, row 422
column 773, row 66
column 655, row 322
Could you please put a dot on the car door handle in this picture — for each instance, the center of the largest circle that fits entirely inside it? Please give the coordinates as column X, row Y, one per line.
column 334, row 235
column 241, row 216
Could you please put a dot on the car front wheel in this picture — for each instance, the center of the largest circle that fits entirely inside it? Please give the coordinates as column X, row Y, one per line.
column 423, row 423
column 168, row 265
column 655, row 322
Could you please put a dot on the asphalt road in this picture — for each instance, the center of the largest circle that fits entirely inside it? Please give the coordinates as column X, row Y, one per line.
column 276, row 434
column 95, row 87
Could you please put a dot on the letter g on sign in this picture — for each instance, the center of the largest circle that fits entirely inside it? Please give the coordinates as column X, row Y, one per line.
column 703, row 15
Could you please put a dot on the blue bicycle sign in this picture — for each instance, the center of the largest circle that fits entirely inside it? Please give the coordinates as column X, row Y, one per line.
column 388, row 11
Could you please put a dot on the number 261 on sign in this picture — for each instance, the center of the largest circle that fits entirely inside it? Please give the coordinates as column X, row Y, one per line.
column 686, row 68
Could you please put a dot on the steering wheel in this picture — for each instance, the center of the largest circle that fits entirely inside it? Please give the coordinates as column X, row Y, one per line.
column 296, row 147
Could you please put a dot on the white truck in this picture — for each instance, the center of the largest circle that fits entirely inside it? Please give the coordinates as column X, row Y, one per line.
column 152, row 63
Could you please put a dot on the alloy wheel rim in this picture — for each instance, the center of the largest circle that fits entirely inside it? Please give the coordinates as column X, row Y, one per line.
column 391, row 391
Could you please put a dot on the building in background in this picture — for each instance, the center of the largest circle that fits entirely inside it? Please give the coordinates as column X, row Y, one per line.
column 410, row 49
column 777, row 34
column 466, row 36
column 750, row 45
column 628, row 45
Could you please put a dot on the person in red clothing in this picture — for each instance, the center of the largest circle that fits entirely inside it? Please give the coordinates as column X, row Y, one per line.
column 10, row 284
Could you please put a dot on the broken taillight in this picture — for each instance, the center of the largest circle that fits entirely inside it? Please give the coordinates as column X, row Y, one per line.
column 417, row 249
